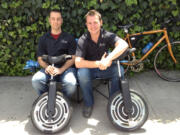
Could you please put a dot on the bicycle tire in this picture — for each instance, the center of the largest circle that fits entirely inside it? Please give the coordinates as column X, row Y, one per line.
column 61, row 119
column 119, row 118
column 165, row 66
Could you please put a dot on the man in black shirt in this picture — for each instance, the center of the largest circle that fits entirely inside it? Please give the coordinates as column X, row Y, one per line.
column 55, row 43
column 93, row 61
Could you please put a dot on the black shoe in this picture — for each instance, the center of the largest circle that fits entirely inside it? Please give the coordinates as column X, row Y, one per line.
column 87, row 111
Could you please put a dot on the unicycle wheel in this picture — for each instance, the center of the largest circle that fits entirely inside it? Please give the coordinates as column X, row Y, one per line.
column 61, row 118
column 118, row 116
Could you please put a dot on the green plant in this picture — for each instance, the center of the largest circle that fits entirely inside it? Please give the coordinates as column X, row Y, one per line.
column 23, row 22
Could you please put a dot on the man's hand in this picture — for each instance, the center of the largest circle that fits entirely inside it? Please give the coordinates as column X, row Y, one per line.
column 58, row 71
column 53, row 70
column 104, row 62
column 49, row 70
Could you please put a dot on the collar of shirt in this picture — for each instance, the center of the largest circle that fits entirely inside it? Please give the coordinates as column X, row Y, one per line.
column 100, row 37
column 55, row 36
column 50, row 36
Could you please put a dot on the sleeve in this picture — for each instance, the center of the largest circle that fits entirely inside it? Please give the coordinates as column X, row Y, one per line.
column 72, row 46
column 112, row 39
column 81, row 50
column 41, row 47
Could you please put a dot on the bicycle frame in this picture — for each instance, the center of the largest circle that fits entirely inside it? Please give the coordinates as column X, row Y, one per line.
column 164, row 37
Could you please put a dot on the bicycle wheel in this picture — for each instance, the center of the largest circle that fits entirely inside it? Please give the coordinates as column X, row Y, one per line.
column 164, row 64
column 61, row 118
column 118, row 116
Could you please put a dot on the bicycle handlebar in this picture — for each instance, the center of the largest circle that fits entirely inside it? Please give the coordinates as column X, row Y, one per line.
column 56, row 59
column 33, row 65
column 126, row 27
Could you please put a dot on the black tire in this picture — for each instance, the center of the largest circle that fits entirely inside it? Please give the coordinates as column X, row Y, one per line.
column 61, row 118
column 164, row 64
column 119, row 118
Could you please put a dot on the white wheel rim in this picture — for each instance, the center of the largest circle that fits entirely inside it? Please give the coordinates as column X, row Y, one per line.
column 119, row 116
column 60, row 117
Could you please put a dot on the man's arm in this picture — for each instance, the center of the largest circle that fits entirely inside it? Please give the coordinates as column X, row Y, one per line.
column 42, row 63
column 82, row 63
column 120, row 47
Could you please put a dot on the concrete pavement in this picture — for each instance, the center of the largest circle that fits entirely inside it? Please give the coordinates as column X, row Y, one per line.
column 163, row 99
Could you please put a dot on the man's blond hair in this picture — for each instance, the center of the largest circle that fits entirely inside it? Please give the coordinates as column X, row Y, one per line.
column 93, row 13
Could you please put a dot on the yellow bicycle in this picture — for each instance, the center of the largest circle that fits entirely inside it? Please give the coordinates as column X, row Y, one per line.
column 166, row 60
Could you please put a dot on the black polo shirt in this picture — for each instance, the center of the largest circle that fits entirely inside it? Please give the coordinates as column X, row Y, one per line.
column 65, row 44
column 89, row 50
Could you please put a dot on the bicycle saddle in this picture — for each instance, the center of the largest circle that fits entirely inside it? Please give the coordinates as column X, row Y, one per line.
column 56, row 59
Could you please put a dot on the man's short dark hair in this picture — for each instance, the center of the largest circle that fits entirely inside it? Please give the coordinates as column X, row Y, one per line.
column 55, row 10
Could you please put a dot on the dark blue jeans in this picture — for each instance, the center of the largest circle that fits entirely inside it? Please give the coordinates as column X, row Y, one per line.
column 86, row 75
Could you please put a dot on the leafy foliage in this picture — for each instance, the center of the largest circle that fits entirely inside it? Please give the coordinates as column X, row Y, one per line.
column 23, row 22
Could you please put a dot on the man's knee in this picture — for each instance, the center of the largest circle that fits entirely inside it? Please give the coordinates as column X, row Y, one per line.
column 35, row 79
column 69, row 78
column 38, row 76
column 39, row 80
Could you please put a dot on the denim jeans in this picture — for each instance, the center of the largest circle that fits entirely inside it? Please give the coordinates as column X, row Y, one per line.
column 86, row 75
column 68, row 81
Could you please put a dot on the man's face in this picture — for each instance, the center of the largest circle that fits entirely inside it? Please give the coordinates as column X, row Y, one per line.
column 93, row 24
column 55, row 20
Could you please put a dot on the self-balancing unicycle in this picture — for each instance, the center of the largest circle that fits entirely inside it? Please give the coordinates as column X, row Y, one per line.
column 51, row 112
column 127, row 110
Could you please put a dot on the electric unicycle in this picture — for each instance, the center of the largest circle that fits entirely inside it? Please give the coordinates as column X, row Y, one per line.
column 51, row 112
column 127, row 110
